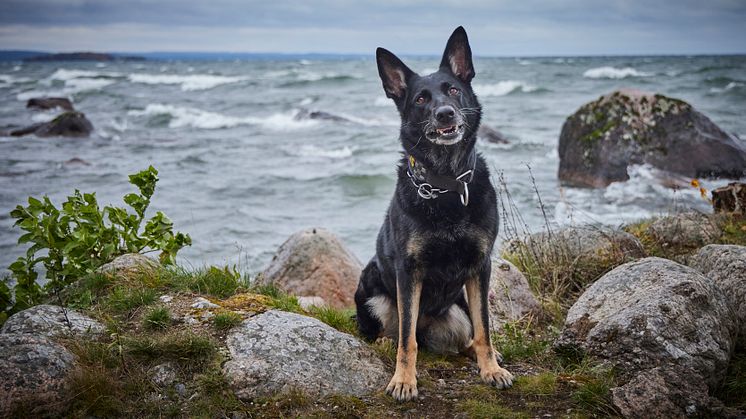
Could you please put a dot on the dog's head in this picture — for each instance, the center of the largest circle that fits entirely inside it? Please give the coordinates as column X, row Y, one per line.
column 440, row 107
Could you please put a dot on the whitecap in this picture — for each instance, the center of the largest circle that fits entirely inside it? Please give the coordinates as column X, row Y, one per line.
column 382, row 101
column 503, row 88
column 188, row 82
column 730, row 86
column 607, row 72
column 314, row 151
column 196, row 118
column 64, row 74
column 45, row 115
column 8, row 79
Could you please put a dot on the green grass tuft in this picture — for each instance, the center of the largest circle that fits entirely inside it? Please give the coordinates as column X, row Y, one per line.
column 341, row 320
column 123, row 299
column 157, row 318
column 543, row 384
column 481, row 408
column 226, row 320
column 180, row 346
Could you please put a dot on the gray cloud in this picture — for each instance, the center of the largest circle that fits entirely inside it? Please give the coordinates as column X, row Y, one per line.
column 417, row 26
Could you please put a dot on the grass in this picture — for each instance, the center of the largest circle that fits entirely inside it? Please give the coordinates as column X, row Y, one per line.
column 180, row 345
column 341, row 320
column 123, row 299
column 226, row 320
column 489, row 408
column 158, row 318
column 733, row 390
column 542, row 384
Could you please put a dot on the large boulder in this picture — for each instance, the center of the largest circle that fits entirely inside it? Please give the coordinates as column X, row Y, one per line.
column 277, row 352
column 314, row 262
column 627, row 127
column 725, row 265
column 128, row 265
column 46, row 103
column 34, row 379
column 657, row 317
column 688, row 229
column 510, row 296
column 49, row 320
column 68, row 124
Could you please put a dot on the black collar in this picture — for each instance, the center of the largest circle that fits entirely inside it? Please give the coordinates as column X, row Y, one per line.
column 430, row 185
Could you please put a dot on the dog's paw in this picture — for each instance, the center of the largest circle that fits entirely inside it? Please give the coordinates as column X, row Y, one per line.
column 402, row 390
column 497, row 376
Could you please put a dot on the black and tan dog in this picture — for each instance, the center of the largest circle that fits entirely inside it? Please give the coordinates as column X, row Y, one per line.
column 428, row 282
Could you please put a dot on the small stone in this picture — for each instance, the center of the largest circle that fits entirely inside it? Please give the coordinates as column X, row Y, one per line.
column 180, row 389
column 306, row 302
column 163, row 375
column 166, row 298
column 441, row 382
column 201, row 302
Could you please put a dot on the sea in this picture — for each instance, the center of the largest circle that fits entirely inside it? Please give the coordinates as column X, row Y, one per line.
column 240, row 169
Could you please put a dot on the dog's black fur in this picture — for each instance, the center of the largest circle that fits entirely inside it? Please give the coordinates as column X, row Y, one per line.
column 436, row 244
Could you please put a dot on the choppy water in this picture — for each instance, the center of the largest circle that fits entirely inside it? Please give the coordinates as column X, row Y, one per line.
column 240, row 174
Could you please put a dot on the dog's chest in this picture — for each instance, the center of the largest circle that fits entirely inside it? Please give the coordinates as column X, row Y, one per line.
column 460, row 246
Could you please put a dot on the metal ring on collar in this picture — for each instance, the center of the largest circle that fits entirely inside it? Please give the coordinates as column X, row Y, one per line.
column 465, row 195
column 425, row 190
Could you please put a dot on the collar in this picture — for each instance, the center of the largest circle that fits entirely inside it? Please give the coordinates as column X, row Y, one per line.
column 430, row 185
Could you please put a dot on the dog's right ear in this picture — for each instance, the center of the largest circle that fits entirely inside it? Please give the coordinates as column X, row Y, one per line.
column 394, row 74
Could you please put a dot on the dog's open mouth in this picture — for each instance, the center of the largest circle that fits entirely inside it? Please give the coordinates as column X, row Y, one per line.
column 447, row 135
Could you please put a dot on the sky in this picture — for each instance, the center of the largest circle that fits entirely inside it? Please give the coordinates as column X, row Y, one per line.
column 495, row 28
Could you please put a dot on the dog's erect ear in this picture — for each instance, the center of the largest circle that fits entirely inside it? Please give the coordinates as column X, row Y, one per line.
column 394, row 73
column 457, row 56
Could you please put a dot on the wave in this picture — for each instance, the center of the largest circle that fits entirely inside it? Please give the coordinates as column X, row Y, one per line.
column 72, row 86
column 8, row 79
column 65, row 75
column 613, row 73
column 314, row 151
column 188, row 82
column 734, row 85
column 311, row 77
column 180, row 117
column 504, row 87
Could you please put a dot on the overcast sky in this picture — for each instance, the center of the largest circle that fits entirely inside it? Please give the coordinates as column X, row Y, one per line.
column 502, row 27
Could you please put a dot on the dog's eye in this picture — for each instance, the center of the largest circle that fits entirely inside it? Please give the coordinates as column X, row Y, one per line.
column 420, row 100
column 453, row 91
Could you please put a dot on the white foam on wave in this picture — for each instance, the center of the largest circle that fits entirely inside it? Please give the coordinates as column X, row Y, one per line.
column 503, row 88
column 382, row 101
column 728, row 87
column 315, row 151
column 196, row 118
column 188, row 82
column 607, row 72
column 64, row 74
column 8, row 79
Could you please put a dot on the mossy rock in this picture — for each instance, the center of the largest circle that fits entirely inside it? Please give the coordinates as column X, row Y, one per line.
column 604, row 137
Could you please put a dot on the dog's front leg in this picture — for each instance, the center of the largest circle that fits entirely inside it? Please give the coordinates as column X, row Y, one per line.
column 403, row 385
column 477, row 289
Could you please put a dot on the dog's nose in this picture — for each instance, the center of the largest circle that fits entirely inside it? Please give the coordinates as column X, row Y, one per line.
column 445, row 114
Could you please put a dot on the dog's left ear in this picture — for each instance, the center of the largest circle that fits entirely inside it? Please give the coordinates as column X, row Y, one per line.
column 457, row 56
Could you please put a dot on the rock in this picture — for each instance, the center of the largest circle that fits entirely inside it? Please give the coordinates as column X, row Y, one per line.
column 587, row 250
column 686, row 230
column 491, row 135
column 68, row 124
column 314, row 262
column 627, row 127
column 180, row 389
column 649, row 314
column 163, row 375
column 201, row 302
column 725, row 265
column 275, row 352
column 50, row 320
column 35, row 375
column 730, row 199
column 129, row 265
column 304, row 114
column 46, row 103
column 510, row 297
column 311, row 301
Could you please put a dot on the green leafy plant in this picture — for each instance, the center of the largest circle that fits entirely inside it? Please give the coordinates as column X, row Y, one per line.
column 72, row 241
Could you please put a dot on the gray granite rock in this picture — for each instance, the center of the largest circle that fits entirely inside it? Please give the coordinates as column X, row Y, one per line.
column 510, row 297
column 314, row 262
column 129, row 264
column 689, row 229
column 654, row 313
column 49, row 320
column 35, row 372
column 726, row 266
column 276, row 352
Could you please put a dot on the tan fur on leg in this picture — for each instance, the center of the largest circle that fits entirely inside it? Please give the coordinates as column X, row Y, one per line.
column 489, row 369
column 403, row 385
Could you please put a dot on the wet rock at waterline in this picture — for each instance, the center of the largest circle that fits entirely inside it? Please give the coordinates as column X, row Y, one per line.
column 47, row 103
column 276, row 352
column 68, row 124
column 730, row 199
column 604, row 137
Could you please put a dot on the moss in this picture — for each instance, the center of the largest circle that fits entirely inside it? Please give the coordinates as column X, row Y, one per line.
column 542, row 384
column 480, row 408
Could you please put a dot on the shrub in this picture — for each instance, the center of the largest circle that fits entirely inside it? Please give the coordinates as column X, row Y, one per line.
column 74, row 240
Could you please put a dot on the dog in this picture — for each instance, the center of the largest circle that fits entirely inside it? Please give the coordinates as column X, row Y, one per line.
column 428, row 282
